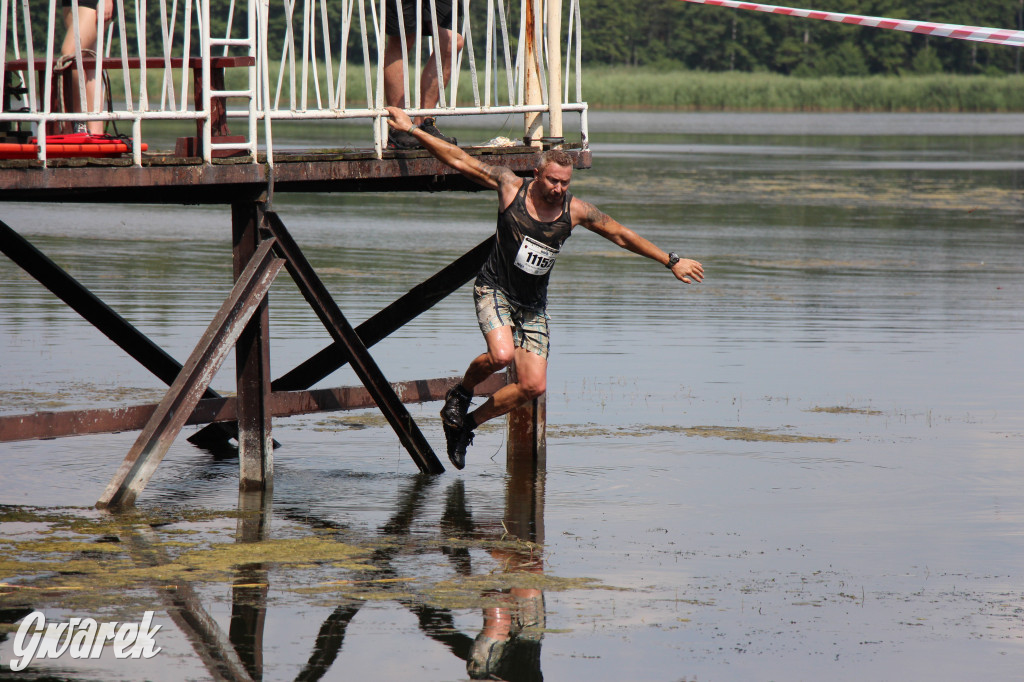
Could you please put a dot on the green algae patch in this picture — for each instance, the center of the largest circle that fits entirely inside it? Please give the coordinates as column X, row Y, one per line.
column 753, row 435
column 846, row 410
column 726, row 432
column 296, row 552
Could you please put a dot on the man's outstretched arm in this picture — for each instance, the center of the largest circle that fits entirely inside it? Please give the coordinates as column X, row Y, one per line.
column 592, row 218
column 492, row 177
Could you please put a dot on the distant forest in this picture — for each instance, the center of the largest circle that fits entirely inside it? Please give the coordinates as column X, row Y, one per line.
column 707, row 38
column 672, row 34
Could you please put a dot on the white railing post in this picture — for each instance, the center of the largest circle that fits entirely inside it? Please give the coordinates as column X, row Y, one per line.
column 204, row 34
column 554, row 34
column 532, row 129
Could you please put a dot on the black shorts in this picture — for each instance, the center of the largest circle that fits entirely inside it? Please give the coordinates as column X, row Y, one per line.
column 91, row 4
column 444, row 16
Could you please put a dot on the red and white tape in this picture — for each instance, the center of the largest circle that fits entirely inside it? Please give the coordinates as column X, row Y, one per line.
column 980, row 34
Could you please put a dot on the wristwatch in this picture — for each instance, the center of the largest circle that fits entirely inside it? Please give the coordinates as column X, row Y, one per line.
column 673, row 258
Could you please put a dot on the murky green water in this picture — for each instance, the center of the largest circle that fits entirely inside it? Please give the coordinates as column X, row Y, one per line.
column 806, row 468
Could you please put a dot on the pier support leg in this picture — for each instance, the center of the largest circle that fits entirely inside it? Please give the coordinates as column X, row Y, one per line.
column 527, row 432
column 252, row 363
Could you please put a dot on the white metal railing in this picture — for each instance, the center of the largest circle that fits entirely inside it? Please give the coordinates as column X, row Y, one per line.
column 294, row 65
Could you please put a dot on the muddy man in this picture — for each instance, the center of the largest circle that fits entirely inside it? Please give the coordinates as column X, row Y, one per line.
column 535, row 217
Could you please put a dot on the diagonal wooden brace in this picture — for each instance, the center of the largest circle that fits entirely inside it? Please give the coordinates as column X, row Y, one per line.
column 420, row 298
column 341, row 331
column 407, row 307
column 195, row 376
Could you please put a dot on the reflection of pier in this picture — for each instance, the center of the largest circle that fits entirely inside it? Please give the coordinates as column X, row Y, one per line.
column 245, row 176
column 507, row 646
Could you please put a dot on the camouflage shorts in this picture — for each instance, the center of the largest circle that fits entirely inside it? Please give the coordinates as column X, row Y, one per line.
column 529, row 327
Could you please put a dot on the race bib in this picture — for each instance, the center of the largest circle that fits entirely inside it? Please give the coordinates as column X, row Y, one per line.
column 535, row 258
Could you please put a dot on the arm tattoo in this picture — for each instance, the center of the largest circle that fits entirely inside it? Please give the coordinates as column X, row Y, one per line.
column 497, row 173
column 594, row 215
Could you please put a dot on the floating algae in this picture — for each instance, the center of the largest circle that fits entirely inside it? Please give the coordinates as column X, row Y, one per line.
column 726, row 432
column 108, row 561
column 753, row 435
column 846, row 410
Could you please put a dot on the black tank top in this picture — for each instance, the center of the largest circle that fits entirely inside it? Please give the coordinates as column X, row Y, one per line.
column 524, row 252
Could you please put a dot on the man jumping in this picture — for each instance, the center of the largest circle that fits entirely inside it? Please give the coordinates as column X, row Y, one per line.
column 535, row 216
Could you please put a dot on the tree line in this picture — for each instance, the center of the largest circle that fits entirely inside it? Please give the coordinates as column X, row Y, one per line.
column 668, row 33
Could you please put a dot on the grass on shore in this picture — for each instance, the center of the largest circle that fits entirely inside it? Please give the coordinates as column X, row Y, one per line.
column 647, row 89
column 632, row 89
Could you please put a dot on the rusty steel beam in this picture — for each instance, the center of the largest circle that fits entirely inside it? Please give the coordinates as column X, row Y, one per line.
column 418, row 300
column 165, row 179
column 172, row 413
column 316, row 294
column 290, row 403
column 47, row 425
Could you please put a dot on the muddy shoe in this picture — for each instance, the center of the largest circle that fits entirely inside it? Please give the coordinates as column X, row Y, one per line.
column 459, row 439
column 429, row 126
column 398, row 139
column 485, row 657
column 456, row 404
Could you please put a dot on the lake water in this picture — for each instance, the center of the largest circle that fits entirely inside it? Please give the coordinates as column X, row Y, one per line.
column 808, row 467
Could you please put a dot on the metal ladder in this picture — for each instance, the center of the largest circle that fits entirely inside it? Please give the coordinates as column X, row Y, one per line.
column 249, row 42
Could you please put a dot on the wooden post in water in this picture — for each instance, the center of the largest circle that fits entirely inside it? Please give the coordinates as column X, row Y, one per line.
column 527, row 432
column 252, row 361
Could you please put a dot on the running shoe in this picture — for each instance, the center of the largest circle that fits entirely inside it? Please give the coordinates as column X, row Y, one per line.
column 399, row 139
column 456, row 404
column 429, row 126
column 458, row 438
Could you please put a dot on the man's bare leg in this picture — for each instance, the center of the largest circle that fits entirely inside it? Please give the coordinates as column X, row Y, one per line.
column 531, row 376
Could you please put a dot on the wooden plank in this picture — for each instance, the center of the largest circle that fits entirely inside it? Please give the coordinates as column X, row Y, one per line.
column 47, row 425
column 197, row 373
column 316, row 294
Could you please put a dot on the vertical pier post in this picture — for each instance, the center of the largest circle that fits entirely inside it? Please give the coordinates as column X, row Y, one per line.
column 527, row 432
column 252, row 362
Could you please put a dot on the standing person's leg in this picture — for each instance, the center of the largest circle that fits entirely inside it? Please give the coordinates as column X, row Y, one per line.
column 87, row 27
column 430, row 86
column 394, row 83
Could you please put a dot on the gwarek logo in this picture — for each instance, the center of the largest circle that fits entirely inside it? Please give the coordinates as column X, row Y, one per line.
column 82, row 638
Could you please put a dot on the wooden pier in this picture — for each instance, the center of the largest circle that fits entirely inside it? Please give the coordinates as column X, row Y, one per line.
column 262, row 248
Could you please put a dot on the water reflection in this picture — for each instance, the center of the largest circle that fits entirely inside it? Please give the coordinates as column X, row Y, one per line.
column 507, row 645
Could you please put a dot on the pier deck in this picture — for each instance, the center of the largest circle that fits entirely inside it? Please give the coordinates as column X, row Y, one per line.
column 166, row 178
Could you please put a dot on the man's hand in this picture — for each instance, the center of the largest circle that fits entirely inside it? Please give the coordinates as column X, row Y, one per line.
column 398, row 119
column 688, row 271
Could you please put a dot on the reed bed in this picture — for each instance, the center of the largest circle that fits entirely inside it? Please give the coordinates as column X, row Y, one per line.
column 645, row 89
